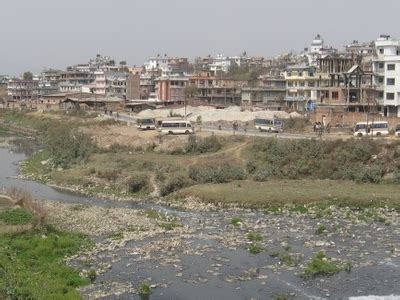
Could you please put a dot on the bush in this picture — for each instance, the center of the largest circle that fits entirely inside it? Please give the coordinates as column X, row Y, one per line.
column 67, row 147
column 92, row 275
column 144, row 289
column 320, row 266
column 138, row 183
column 110, row 175
column 173, row 185
column 251, row 166
column 208, row 144
column 216, row 174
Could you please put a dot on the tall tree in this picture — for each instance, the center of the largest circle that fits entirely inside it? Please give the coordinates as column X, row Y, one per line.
column 27, row 75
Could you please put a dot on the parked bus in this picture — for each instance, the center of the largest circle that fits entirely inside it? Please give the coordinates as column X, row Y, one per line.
column 273, row 125
column 176, row 127
column 378, row 128
column 145, row 124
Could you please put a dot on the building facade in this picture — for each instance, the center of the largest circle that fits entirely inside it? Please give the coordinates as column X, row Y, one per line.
column 386, row 68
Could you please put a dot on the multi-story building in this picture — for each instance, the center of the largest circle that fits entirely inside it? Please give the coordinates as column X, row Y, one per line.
column 217, row 90
column 74, row 80
column 220, row 65
column 165, row 65
column 171, row 88
column 147, row 86
column 317, row 50
column 269, row 94
column 21, row 89
column 301, row 83
column 51, row 77
column 386, row 68
column 343, row 84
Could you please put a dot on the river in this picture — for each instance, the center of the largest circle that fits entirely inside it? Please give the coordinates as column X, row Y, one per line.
column 210, row 260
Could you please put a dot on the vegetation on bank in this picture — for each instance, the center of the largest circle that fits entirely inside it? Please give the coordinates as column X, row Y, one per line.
column 252, row 172
column 32, row 253
column 32, row 267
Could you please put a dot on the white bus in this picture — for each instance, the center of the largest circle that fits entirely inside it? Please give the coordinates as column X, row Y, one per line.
column 377, row 128
column 145, row 124
column 397, row 130
column 273, row 125
column 176, row 127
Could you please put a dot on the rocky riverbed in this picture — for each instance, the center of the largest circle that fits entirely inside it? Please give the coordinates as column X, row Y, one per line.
column 218, row 253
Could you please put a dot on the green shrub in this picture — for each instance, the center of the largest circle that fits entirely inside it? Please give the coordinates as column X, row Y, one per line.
column 109, row 174
column 254, row 236
column 66, row 146
column 255, row 248
column 173, row 185
column 216, row 174
column 144, row 289
column 321, row 266
column 138, row 183
column 236, row 221
column 251, row 166
column 92, row 275
column 208, row 144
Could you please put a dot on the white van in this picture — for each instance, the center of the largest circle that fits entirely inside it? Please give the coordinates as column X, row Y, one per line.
column 378, row 128
column 145, row 124
column 273, row 125
column 176, row 127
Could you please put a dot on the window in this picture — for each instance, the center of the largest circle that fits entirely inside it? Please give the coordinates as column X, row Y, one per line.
column 381, row 65
column 390, row 81
column 389, row 96
column 311, row 84
column 391, row 67
column 381, row 51
column 380, row 95
column 380, row 79
column 335, row 95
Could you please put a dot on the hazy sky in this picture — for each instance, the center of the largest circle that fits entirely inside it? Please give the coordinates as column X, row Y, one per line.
column 37, row 34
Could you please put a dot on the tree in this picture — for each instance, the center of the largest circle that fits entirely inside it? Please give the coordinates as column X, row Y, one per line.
column 27, row 75
column 190, row 92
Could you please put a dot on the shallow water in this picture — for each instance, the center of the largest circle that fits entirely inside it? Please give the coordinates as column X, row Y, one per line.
column 208, row 268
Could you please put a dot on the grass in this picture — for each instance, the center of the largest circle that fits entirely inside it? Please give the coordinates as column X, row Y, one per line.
column 277, row 193
column 32, row 268
column 18, row 216
column 320, row 229
column 254, row 236
column 321, row 266
column 144, row 289
column 236, row 221
column 255, row 248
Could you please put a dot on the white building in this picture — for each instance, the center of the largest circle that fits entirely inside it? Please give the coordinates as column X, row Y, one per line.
column 386, row 68
column 318, row 50
column 221, row 64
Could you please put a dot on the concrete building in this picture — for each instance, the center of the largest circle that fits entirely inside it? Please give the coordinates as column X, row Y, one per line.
column 386, row 68
column 217, row 90
column 270, row 94
column 73, row 80
column 220, row 65
column 165, row 65
column 317, row 50
column 171, row 88
column 21, row 89
column 301, row 83
column 147, row 86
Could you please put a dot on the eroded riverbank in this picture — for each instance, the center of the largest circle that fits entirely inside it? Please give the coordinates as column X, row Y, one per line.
column 205, row 254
